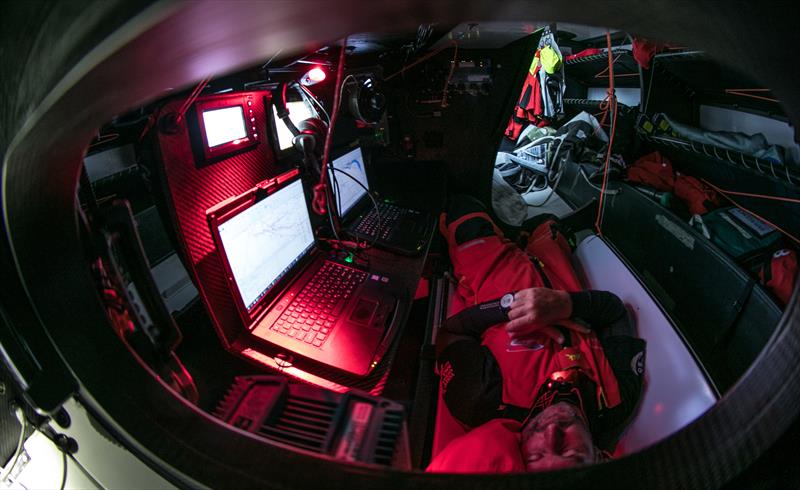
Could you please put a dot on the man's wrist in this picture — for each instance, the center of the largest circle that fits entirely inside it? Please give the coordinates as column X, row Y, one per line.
column 568, row 304
column 580, row 304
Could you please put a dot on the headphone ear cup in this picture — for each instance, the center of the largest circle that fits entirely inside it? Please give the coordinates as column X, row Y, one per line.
column 313, row 126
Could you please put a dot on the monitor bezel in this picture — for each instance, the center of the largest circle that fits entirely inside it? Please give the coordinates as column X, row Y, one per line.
column 205, row 154
column 226, row 210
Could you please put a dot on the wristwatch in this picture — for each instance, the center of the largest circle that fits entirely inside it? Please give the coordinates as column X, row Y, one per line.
column 505, row 302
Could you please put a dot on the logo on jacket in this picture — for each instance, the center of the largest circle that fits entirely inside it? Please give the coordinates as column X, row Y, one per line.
column 523, row 344
column 446, row 374
column 637, row 363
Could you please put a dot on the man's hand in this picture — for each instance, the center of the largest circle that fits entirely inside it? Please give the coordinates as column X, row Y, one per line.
column 534, row 310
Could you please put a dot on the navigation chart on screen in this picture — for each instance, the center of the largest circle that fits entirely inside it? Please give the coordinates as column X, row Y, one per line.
column 266, row 239
column 347, row 190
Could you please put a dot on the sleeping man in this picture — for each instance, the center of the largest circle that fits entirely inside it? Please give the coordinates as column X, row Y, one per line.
column 544, row 373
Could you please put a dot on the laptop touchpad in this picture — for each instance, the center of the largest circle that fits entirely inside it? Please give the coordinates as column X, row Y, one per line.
column 364, row 311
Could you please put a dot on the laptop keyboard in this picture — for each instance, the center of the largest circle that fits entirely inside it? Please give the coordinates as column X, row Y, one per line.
column 313, row 313
column 390, row 215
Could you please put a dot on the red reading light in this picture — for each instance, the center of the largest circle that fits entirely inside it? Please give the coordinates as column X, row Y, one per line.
column 314, row 75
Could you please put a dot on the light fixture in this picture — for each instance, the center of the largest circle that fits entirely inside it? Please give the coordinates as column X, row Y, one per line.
column 312, row 76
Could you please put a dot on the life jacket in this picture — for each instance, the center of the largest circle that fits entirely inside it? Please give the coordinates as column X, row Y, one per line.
column 653, row 170
column 780, row 273
column 699, row 198
column 644, row 50
column 488, row 267
column 530, row 107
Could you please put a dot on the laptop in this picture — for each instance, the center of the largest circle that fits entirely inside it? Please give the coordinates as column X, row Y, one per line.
column 399, row 229
column 291, row 294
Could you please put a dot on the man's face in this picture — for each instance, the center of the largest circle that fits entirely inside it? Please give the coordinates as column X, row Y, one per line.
column 556, row 438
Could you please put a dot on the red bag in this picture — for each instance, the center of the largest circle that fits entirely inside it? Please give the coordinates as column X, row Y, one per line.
column 780, row 274
column 644, row 50
column 698, row 197
column 653, row 170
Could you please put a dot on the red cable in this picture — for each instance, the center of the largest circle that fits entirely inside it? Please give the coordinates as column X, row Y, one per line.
column 450, row 75
column 192, row 97
column 724, row 194
column 747, row 194
column 420, row 60
column 612, row 101
column 319, row 203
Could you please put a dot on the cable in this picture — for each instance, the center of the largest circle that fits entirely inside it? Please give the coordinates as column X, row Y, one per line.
column 746, row 92
column 420, row 60
column 758, row 196
column 724, row 194
column 104, row 138
column 586, row 178
column 192, row 97
column 24, row 423
column 319, row 201
column 315, row 101
column 650, row 85
column 64, row 470
column 374, row 204
column 68, row 452
column 344, row 82
column 450, row 74
column 612, row 101
column 558, row 177
column 277, row 53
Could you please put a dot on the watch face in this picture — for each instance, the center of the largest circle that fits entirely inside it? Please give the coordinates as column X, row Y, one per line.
column 506, row 300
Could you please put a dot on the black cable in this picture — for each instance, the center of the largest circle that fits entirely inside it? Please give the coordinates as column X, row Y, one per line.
column 374, row 204
column 63, row 447
column 84, row 471
column 64, row 470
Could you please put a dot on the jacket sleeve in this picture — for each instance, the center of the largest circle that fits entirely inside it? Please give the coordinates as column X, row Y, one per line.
column 607, row 315
column 470, row 380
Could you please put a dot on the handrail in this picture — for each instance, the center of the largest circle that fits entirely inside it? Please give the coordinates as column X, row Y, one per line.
column 771, row 170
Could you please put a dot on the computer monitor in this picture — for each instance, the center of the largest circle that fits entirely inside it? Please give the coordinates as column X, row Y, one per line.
column 221, row 126
column 348, row 180
column 224, row 125
column 263, row 241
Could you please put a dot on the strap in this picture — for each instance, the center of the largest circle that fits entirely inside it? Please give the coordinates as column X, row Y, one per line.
column 449, row 231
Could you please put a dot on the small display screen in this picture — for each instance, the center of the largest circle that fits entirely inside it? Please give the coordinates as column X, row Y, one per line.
column 298, row 111
column 224, row 125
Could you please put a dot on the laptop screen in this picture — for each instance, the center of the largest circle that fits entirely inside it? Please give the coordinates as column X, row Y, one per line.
column 265, row 240
column 345, row 182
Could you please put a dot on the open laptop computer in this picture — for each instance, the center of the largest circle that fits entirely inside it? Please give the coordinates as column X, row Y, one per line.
column 289, row 293
column 401, row 230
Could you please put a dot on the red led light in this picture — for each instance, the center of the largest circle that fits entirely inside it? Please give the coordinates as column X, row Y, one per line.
column 316, row 75
column 312, row 76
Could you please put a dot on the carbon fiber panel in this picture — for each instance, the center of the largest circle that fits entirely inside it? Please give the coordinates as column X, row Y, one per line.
column 192, row 190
